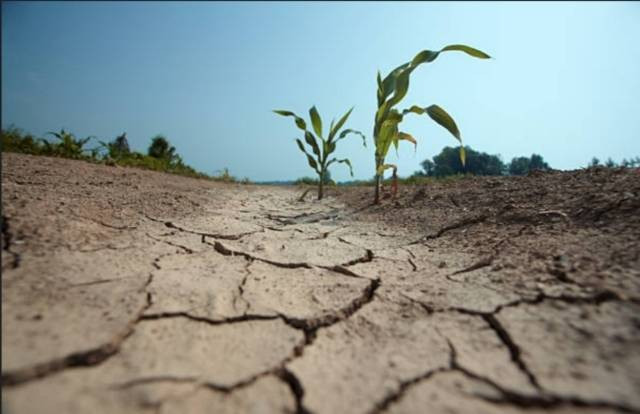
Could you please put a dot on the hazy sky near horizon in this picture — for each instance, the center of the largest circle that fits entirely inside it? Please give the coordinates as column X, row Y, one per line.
column 564, row 81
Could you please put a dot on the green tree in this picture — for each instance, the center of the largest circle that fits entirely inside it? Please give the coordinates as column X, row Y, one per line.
column 538, row 163
column 447, row 162
column 610, row 163
column 162, row 150
column 523, row 165
column 519, row 166
column 429, row 167
column 118, row 148
column 594, row 162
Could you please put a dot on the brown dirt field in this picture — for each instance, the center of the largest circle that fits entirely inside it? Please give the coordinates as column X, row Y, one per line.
column 129, row 291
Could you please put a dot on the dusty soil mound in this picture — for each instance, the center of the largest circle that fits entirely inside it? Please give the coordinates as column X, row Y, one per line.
column 578, row 226
column 134, row 291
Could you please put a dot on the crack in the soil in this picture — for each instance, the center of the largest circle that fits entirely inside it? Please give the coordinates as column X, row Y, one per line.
column 186, row 249
column 241, row 288
column 101, row 248
column 304, row 218
column 469, row 221
column 222, row 249
column 404, row 386
column 613, row 206
column 296, row 388
column 102, row 223
column 279, row 372
column 151, row 380
column 313, row 324
column 596, row 299
column 88, row 358
column 514, row 349
column 483, row 262
column 98, row 282
column 223, row 321
column 547, row 400
column 172, row 225
column 77, row 359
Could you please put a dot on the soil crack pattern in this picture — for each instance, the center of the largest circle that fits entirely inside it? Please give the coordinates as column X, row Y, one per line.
column 80, row 359
column 172, row 225
column 342, row 268
column 456, row 296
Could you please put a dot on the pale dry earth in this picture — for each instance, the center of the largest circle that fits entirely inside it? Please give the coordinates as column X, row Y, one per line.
column 128, row 291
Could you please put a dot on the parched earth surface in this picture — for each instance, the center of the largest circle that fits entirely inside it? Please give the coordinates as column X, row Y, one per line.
column 129, row 291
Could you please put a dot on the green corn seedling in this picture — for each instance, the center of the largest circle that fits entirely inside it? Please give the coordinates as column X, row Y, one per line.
column 69, row 146
column 322, row 147
column 391, row 91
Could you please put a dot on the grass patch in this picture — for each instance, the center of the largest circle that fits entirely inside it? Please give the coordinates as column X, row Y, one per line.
column 66, row 145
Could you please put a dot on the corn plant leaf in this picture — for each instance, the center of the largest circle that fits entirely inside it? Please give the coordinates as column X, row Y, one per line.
column 343, row 161
column 444, row 119
column 398, row 80
column 312, row 163
column 468, row 50
column 401, row 87
column 353, row 131
column 389, row 82
column 386, row 136
column 380, row 93
column 403, row 136
column 299, row 121
column 424, row 56
column 383, row 167
column 310, row 139
column 316, row 121
column 333, row 131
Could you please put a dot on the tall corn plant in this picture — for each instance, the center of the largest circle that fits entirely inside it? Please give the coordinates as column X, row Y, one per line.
column 322, row 147
column 391, row 90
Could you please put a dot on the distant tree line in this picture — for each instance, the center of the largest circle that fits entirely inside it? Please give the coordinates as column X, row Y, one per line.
column 478, row 163
column 448, row 163
column 625, row 163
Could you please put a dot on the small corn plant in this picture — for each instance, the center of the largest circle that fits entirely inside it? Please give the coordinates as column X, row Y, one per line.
column 68, row 147
column 391, row 91
column 322, row 147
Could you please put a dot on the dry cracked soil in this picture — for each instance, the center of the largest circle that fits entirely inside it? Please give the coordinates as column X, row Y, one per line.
column 129, row 291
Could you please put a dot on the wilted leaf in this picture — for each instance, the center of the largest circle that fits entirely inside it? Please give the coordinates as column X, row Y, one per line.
column 344, row 161
column 444, row 119
column 353, row 131
column 383, row 167
column 403, row 136
column 299, row 121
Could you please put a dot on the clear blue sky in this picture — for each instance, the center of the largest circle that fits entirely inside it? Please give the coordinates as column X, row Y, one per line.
column 565, row 81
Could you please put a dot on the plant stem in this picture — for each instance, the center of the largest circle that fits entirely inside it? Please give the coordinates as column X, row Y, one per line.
column 378, row 179
column 320, row 188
